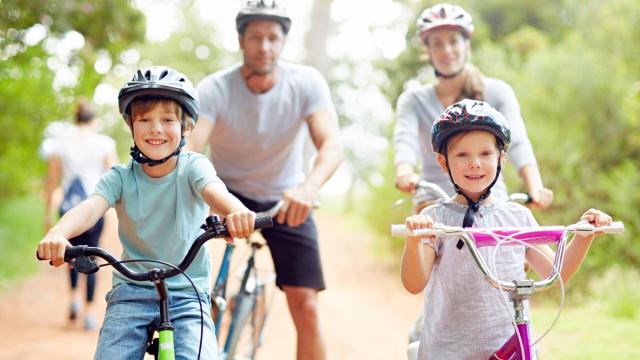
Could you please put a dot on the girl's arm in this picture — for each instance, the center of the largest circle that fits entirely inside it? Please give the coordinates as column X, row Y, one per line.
column 76, row 221
column 239, row 219
column 575, row 252
column 417, row 259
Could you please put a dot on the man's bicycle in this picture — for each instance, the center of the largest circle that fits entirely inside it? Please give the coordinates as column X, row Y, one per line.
column 249, row 306
column 161, row 347
column 519, row 345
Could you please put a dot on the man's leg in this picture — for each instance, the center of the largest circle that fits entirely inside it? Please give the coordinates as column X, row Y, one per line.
column 303, row 306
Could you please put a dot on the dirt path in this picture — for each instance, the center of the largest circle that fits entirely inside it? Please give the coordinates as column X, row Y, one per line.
column 365, row 312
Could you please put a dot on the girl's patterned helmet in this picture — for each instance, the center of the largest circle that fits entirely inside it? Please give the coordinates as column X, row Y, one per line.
column 468, row 115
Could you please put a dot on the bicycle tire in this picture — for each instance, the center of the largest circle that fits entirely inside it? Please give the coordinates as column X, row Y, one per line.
column 243, row 309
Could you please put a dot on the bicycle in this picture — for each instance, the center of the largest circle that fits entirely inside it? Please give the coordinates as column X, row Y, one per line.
column 161, row 347
column 250, row 302
column 519, row 345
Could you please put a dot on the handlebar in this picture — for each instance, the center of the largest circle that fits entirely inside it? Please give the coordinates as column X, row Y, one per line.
column 214, row 228
column 478, row 237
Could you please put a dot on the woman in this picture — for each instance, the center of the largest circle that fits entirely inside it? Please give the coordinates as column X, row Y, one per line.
column 446, row 31
column 76, row 161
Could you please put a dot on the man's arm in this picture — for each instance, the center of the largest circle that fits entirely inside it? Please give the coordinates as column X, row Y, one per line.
column 199, row 136
column 325, row 134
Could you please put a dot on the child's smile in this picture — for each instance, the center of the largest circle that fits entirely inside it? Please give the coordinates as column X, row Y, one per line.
column 473, row 161
column 157, row 132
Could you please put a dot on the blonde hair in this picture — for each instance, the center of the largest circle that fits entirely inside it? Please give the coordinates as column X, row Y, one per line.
column 473, row 84
column 144, row 104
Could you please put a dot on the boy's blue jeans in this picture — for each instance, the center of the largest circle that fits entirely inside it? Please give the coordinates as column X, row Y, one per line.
column 132, row 309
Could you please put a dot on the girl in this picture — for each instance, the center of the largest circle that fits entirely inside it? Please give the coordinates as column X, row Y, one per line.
column 466, row 318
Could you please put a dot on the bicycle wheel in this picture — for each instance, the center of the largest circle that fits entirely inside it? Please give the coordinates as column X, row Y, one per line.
column 240, row 338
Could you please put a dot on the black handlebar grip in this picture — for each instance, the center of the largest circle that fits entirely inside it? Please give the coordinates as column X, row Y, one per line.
column 72, row 252
column 263, row 222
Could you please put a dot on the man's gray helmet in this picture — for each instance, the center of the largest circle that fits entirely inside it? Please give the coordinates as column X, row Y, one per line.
column 263, row 10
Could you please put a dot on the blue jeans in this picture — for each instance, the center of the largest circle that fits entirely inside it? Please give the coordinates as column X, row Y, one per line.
column 133, row 309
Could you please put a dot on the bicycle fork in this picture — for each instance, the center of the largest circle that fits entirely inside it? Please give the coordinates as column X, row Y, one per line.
column 518, row 347
column 162, row 347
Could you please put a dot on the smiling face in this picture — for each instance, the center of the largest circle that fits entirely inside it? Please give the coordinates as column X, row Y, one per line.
column 157, row 129
column 473, row 160
column 448, row 50
column 261, row 44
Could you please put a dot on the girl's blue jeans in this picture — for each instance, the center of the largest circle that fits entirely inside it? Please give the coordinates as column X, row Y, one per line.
column 133, row 309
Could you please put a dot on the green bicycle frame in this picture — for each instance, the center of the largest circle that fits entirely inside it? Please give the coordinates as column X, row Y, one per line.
column 165, row 346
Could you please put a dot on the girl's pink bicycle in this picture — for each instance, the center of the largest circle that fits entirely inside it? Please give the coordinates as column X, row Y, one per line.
column 518, row 346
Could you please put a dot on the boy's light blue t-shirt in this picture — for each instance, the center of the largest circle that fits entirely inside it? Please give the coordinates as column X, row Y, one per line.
column 159, row 218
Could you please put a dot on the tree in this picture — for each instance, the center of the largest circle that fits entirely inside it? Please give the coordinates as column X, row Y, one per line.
column 48, row 51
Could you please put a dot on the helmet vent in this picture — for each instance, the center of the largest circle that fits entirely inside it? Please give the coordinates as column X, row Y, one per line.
column 163, row 74
column 147, row 75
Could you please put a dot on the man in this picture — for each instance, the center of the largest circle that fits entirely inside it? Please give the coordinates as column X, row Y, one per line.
column 256, row 117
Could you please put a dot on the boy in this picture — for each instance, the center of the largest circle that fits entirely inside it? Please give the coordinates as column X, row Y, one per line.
column 161, row 198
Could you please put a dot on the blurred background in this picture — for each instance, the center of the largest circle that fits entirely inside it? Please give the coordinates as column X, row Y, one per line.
column 572, row 63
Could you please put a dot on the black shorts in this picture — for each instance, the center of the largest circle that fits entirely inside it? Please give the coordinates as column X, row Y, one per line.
column 295, row 252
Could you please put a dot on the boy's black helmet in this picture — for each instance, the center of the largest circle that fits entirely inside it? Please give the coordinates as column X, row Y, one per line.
column 160, row 81
column 263, row 10
column 467, row 115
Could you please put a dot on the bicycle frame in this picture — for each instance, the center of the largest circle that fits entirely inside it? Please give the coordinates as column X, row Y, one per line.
column 518, row 346
column 219, row 296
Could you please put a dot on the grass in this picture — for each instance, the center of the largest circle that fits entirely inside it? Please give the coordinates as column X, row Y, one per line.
column 587, row 332
column 20, row 230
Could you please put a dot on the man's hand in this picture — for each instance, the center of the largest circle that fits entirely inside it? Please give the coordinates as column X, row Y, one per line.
column 298, row 202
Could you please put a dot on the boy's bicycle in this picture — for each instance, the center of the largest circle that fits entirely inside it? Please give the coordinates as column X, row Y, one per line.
column 519, row 345
column 249, row 306
column 82, row 258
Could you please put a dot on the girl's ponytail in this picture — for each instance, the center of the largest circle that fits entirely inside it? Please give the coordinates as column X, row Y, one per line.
column 473, row 86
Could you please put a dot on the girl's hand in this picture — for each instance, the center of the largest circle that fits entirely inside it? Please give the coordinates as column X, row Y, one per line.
column 415, row 222
column 596, row 218
column 240, row 223
column 52, row 248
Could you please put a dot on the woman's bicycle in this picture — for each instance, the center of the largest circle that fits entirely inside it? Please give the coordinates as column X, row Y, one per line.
column 161, row 347
column 519, row 345
column 249, row 306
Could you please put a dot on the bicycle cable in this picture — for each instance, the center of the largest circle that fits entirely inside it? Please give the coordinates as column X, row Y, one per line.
column 169, row 265
column 500, row 240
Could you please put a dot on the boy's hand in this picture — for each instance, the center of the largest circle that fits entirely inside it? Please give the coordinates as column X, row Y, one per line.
column 415, row 222
column 240, row 223
column 596, row 218
column 52, row 248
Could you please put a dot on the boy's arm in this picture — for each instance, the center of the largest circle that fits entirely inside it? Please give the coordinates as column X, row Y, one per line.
column 76, row 221
column 239, row 219
column 575, row 252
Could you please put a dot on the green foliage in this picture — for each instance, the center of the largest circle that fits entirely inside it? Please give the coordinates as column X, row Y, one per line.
column 20, row 229
column 28, row 70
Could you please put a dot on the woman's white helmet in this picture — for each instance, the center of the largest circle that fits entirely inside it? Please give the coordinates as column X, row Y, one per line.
column 444, row 16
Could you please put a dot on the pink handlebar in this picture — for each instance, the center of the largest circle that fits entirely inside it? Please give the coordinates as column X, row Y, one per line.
column 531, row 235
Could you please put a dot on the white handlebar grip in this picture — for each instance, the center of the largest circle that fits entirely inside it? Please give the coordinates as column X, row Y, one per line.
column 616, row 227
column 399, row 230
